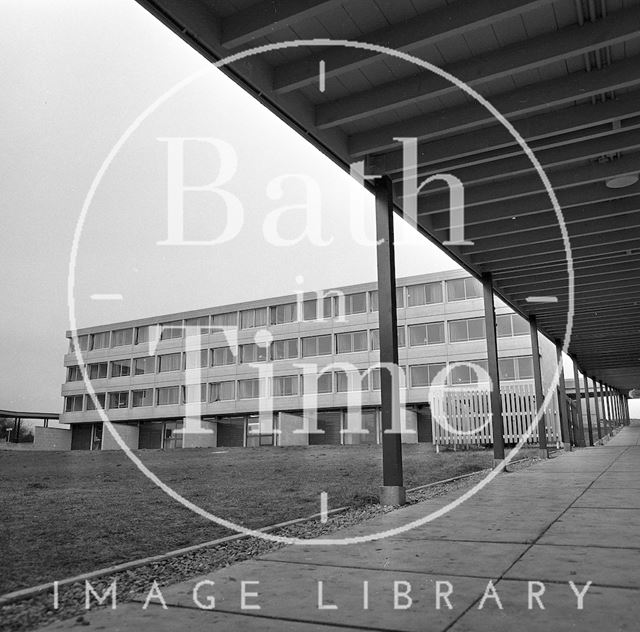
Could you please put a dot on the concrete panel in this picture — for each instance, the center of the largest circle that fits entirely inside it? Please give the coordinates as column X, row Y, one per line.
column 287, row 423
column 206, row 438
column 411, row 422
column 127, row 432
column 51, row 438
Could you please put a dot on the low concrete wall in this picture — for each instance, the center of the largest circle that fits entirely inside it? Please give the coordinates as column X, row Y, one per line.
column 51, row 438
column 128, row 433
column 206, row 439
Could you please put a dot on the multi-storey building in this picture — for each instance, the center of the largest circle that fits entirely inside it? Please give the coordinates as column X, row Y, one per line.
column 221, row 366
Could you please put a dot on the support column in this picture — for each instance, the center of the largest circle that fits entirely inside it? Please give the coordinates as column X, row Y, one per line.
column 562, row 401
column 494, row 373
column 576, row 381
column 588, row 407
column 537, row 378
column 627, row 411
column 607, row 400
column 392, row 491
column 604, row 411
column 595, row 398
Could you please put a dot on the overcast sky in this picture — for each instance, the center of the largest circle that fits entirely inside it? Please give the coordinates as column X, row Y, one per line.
column 76, row 73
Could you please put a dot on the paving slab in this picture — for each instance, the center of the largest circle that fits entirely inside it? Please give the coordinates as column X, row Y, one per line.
column 609, row 498
column 292, row 592
column 604, row 609
column 587, row 526
column 605, row 566
column 398, row 554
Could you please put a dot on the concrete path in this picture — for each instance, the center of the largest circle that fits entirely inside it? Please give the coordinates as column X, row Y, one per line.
column 574, row 518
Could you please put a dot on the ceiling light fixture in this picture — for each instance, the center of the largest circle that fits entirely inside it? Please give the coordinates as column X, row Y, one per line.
column 619, row 182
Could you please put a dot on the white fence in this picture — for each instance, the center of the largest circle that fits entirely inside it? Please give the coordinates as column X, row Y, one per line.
column 461, row 416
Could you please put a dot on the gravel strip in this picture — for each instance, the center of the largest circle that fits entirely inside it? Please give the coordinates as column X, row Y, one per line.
column 35, row 612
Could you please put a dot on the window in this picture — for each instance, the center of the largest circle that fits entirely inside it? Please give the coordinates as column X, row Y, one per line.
column 97, row 371
column 424, row 374
column 373, row 299
column 120, row 368
column 100, row 341
column 253, row 318
column 83, row 343
column 74, row 374
column 351, row 381
column 228, row 319
column 426, row 334
column 199, row 325
column 145, row 334
column 101, row 399
column 507, row 369
column 142, row 397
column 375, row 338
column 317, row 308
column 285, row 385
column 141, row 366
column 222, row 356
column 525, row 368
column 121, row 337
column 195, row 393
column 284, row 349
column 323, row 383
column 119, row 399
column 511, row 325
column 249, row 389
column 316, row 346
column 504, row 326
column 170, row 362
column 197, row 359
column 375, row 379
column 287, row 313
column 353, row 303
column 170, row 330
column 462, row 289
column 222, row 391
column 252, row 353
column 464, row 374
column 167, row 395
column 424, row 294
column 351, row 341
column 73, row 403
column 469, row 329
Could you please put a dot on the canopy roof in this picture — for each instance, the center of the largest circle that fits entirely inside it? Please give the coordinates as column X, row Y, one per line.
column 566, row 73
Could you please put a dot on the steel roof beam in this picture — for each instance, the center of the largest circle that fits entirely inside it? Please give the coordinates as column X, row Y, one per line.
column 268, row 17
column 519, row 57
column 532, row 98
column 427, row 28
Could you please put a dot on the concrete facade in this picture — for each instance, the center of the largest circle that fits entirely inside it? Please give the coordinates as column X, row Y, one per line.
column 51, row 438
column 352, row 320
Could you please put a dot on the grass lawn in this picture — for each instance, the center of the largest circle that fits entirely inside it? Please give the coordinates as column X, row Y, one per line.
column 65, row 513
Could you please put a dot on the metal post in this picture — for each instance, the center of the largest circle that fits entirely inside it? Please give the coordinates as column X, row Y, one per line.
column 576, row 381
column 392, row 491
column 562, row 401
column 537, row 378
column 595, row 398
column 494, row 373
column 607, row 399
column 588, row 407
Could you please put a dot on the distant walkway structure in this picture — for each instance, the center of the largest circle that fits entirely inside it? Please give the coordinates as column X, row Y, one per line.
column 13, row 434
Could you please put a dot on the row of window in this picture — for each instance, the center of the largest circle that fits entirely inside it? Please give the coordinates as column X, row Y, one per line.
column 328, row 305
column 515, row 368
column 347, row 342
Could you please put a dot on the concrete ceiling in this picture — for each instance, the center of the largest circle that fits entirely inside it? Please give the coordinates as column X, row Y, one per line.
column 565, row 73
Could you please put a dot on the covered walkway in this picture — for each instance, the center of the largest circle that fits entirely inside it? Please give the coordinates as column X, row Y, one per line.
column 573, row 518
